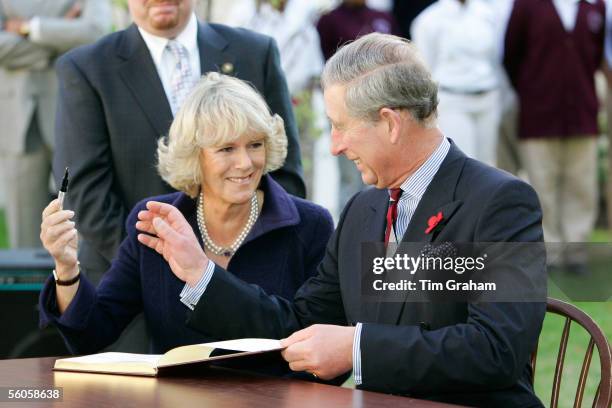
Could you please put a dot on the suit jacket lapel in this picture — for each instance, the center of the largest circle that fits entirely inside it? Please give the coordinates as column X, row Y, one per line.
column 439, row 197
column 212, row 56
column 375, row 220
column 373, row 230
column 141, row 77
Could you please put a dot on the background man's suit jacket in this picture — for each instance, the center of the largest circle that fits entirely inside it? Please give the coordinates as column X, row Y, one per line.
column 475, row 354
column 113, row 109
column 28, row 84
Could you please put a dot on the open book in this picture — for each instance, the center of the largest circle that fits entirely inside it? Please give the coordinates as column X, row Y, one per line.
column 151, row 364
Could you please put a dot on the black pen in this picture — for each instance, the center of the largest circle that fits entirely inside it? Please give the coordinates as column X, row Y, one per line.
column 63, row 189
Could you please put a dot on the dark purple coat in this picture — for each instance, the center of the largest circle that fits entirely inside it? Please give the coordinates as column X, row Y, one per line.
column 282, row 251
column 553, row 70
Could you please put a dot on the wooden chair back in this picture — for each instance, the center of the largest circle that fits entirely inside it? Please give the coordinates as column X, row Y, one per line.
column 603, row 396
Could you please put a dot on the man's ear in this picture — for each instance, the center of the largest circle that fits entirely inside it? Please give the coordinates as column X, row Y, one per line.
column 393, row 120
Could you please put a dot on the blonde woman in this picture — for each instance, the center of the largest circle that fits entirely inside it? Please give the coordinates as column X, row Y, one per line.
column 221, row 146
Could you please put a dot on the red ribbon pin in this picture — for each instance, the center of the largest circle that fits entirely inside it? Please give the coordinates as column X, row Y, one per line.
column 433, row 221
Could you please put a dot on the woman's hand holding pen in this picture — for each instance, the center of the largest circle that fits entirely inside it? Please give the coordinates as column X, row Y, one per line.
column 59, row 237
column 169, row 233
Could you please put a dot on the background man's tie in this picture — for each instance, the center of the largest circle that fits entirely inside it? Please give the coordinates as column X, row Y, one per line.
column 181, row 80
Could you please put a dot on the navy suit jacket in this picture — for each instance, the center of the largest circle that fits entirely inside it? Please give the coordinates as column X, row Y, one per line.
column 282, row 250
column 475, row 354
column 112, row 110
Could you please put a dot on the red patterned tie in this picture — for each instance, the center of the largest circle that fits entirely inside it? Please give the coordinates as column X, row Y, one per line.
column 394, row 194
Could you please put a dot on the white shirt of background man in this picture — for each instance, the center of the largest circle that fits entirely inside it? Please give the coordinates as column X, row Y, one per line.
column 296, row 37
column 165, row 63
column 459, row 43
column 568, row 11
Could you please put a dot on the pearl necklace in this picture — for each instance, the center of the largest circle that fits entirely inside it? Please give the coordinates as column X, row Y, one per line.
column 210, row 244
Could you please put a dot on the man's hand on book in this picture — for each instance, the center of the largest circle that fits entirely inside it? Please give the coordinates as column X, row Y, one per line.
column 169, row 233
column 323, row 350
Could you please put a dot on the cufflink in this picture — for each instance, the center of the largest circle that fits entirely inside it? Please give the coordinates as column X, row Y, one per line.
column 227, row 68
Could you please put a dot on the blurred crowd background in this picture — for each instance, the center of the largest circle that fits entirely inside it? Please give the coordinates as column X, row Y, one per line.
column 532, row 103
column 524, row 85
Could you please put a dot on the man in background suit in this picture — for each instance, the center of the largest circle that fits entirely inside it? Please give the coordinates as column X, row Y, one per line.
column 33, row 34
column 118, row 97
column 382, row 103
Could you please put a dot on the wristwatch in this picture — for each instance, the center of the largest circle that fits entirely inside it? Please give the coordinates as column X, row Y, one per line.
column 68, row 282
column 24, row 29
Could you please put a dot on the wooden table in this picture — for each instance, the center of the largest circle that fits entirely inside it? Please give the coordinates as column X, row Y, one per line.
column 210, row 387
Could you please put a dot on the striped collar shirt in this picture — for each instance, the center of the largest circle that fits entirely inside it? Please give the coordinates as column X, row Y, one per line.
column 414, row 187
column 412, row 191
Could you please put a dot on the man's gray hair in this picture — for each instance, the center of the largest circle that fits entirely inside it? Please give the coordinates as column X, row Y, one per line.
column 381, row 70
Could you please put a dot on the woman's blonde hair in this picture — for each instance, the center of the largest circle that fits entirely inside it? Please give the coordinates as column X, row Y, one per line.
column 219, row 110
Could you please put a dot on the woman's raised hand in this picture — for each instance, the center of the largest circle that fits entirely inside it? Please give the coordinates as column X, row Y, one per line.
column 166, row 231
column 59, row 237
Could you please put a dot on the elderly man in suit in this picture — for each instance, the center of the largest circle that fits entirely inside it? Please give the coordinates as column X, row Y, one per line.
column 382, row 102
column 118, row 97
column 33, row 34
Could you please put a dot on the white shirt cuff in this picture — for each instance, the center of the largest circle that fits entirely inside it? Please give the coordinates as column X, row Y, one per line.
column 190, row 296
column 34, row 29
column 357, row 354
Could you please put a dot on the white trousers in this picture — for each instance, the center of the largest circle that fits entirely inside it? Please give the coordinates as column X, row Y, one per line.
column 26, row 178
column 472, row 121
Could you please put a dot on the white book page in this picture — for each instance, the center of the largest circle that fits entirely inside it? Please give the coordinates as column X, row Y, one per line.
column 246, row 344
column 109, row 358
